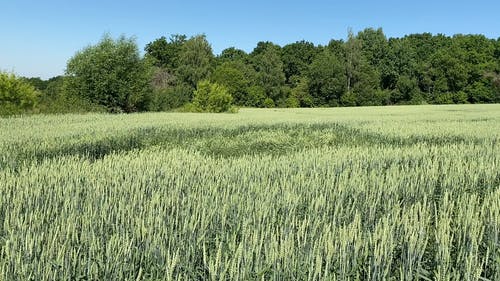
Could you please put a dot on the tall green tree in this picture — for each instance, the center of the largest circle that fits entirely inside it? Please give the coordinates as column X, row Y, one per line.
column 326, row 79
column 111, row 74
column 366, row 80
column 374, row 45
column 165, row 53
column 399, row 61
column 353, row 59
column 476, row 55
column 363, row 79
column 232, row 54
column 336, row 47
column 270, row 75
column 235, row 76
column 264, row 46
column 296, row 58
column 449, row 66
column 196, row 61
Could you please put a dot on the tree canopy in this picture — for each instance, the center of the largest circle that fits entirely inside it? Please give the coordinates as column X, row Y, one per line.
column 365, row 69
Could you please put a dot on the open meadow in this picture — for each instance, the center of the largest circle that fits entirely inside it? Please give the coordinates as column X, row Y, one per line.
column 362, row 193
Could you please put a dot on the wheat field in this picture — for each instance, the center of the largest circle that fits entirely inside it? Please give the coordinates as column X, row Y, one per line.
column 369, row 193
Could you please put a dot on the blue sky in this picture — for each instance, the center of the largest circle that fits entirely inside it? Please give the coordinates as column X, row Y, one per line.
column 38, row 37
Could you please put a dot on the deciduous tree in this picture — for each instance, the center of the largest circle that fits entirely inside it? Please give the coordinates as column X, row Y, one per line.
column 111, row 74
column 195, row 60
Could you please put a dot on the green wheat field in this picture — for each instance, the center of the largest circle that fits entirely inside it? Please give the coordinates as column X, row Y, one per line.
column 369, row 193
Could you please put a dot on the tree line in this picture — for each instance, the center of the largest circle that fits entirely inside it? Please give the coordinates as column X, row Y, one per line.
column 181, row 73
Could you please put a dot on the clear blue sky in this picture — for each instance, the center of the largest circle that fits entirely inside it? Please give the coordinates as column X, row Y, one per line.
column 38, row 37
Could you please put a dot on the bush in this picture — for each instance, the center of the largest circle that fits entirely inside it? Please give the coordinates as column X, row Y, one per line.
column 170, row 98
column 292, row 102
column 269, row 103
column 16, row 95
column 188, row 107
column 212, row 97
column 56, row 99
column 444, row 98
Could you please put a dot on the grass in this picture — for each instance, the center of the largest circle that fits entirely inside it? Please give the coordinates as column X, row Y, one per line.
column 376, row 193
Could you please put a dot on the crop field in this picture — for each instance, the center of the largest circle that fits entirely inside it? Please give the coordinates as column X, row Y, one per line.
column 369, row 193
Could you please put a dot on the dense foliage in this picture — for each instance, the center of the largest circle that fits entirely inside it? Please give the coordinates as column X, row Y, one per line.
column 365, row 69
column 282, row 194
column 111, row 74
column 16, row 94
column 212, row 97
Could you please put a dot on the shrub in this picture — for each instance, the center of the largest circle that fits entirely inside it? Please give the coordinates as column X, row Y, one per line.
column 268, row 103
column 212, row 97
column 292, row 102
column 169, row 98
column 16, row 95
column 444, row 98
column 56, row 98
